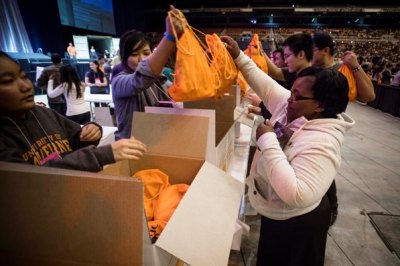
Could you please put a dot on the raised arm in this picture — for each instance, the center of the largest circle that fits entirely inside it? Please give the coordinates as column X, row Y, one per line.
column 365, row 88
column 159, row 57
column 273, row 71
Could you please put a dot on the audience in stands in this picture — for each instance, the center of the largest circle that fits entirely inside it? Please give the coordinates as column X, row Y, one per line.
column 396, row 77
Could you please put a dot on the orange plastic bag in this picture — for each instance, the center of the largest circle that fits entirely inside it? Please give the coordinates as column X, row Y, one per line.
column 168, row 200
column 193, row 75
column 222, row 65
column 164, row 208
column 254, row 51
column 345, row 70
column 242, row 83
column 155, row 181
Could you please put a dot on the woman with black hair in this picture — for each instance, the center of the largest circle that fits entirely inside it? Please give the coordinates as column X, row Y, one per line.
column 298, row 157
column 73, row 90
column 96, row 80
column 137, row 83
column 38, row 135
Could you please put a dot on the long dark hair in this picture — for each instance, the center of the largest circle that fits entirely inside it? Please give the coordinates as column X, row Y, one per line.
column 68, row 75
column 128, row 41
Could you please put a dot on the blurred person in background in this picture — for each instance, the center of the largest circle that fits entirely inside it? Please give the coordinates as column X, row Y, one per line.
column 73, row 90
column 56, row 103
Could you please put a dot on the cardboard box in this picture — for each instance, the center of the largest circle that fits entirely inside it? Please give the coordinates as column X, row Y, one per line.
column 65, row 217
column 224, row 126
column 222, row 129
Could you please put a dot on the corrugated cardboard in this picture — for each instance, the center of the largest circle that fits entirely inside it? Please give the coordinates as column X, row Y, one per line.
column 211, row 155
column 64, row 217
column 221, row 133
column 224, row 125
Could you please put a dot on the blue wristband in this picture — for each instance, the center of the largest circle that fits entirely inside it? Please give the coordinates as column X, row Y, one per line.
column 169, row 37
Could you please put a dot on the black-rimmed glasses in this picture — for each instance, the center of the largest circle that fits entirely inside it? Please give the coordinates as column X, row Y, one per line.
column 286, row 56
column 296, row 98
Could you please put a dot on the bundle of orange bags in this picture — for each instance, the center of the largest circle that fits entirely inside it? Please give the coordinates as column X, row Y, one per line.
column 202, row 70
column 160, row 199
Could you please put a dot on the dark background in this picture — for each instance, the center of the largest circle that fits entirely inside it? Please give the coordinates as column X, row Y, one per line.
column 43, row 25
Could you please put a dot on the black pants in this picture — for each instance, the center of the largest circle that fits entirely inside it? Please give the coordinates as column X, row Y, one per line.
column 61, row 108
column 331, row 193
column 81, row 118
column 297, row 241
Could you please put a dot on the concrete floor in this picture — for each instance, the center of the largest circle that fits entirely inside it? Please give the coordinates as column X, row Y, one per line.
column 368, row 181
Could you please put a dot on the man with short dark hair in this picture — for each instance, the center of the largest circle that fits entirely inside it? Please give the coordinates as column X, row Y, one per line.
column 57, row 103
column 323, row 56
column 297, row 55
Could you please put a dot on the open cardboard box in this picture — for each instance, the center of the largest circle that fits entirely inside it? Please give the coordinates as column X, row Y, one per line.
column 221, row 128
column 224, row 126
column 66, row 217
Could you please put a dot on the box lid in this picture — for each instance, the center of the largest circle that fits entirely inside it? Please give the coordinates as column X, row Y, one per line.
column 223, row 107
column 171, row 134
column 201, row 230
column 210, row 153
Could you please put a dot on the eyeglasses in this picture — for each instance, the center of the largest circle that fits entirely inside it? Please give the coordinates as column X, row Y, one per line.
column 286, row 56
column 293, row 97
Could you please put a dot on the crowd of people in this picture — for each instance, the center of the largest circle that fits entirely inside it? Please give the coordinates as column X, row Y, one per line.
column 379, row 49
column 304, row 96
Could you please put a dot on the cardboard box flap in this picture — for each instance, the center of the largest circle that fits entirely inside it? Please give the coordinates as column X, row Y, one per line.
column 223, row 107
column 210, row 153
column 201, row 230
column 66, row 217
column 160, row 132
